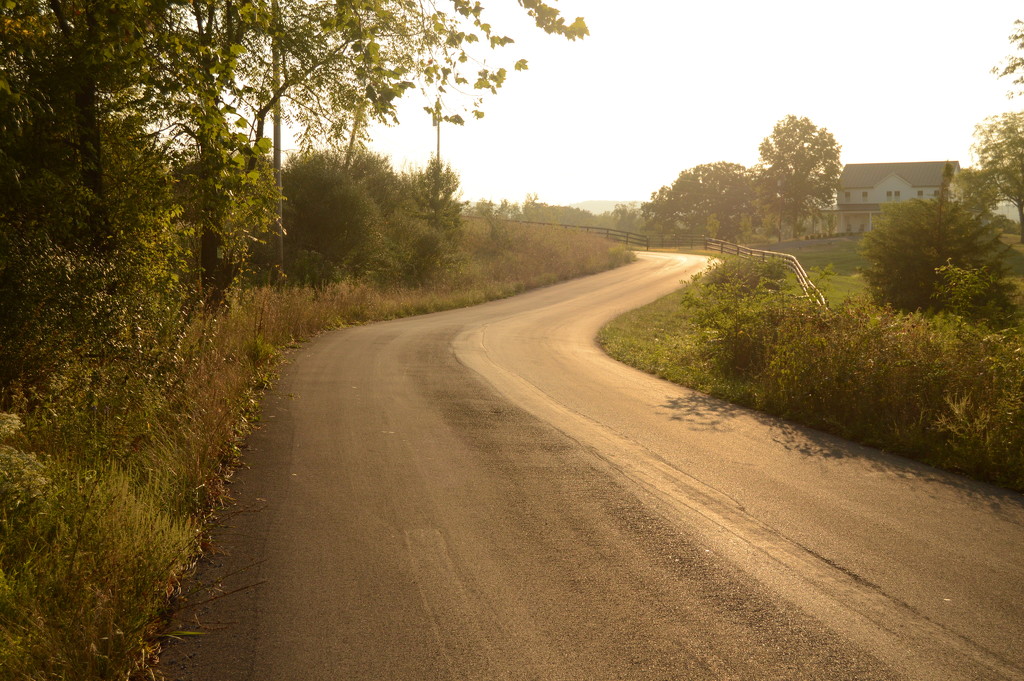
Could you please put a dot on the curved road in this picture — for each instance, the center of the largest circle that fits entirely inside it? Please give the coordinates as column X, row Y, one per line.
column 483, row 494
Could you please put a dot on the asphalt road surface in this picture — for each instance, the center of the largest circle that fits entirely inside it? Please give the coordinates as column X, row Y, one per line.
column 483, row 494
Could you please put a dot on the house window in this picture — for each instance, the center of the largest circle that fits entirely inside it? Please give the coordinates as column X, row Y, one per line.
column 863, row 196
column 888, row 196
column 935, row 192
column 897, row 194
column 920, row 192
column 847, row 196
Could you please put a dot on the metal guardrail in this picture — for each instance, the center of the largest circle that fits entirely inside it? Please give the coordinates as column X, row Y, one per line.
column 810, row 290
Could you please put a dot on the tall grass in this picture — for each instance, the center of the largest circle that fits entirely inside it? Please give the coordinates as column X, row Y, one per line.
column 938, row 389
column 106, row 479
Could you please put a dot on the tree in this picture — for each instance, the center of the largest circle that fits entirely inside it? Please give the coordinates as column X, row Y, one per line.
column 87, row 215
column 626, row 217
column 975, row 190
column 436, row 192
column 720, row 193
column 798, row 174
column 999, row 147
column 334, row 210
column 918, row 246
column 189, row 85
column 1014, row 64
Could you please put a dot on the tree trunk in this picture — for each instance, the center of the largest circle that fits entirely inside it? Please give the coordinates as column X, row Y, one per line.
column 215, row 275
column 215, row 270
column 89, row 147
column 1020, row 220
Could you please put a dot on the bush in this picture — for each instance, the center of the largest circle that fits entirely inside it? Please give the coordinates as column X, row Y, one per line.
column 355, row 218
column 746, row 276
column 915, row 239
column 333, row 213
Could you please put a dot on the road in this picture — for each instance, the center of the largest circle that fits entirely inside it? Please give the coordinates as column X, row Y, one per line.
column 483, row 494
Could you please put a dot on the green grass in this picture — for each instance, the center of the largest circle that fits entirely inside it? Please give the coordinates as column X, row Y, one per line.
column 1015, row 256
column 839, row 253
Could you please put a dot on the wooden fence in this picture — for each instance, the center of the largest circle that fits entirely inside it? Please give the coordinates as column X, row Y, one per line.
column 631, row 239
column 791, row 262
column 647, row 242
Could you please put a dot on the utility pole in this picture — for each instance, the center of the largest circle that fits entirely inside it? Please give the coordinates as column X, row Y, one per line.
column 437, row 124
column 276, row 11
column 437, row 166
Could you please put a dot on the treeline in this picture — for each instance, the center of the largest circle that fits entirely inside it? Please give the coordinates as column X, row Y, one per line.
column 625, row 217
column 782, row 196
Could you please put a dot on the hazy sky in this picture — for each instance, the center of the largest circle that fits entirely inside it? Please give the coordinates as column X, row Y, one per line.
column 660, row 86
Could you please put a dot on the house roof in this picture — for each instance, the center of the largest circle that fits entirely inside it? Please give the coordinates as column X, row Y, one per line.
column 920, row 174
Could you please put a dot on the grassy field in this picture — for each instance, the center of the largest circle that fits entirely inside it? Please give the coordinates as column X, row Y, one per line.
column 839, row 253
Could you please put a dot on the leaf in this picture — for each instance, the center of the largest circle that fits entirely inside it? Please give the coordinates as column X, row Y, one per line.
column 521, row 65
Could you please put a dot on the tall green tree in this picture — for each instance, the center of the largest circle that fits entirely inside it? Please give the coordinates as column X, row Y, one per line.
column 798, row 172
column 975, row 190
column 87, row 216
column 715, row 193
column 437, row 193
column 918, row 245
column 999, row 148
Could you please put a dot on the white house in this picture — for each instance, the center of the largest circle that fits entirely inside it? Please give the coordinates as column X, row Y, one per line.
column 864, row 187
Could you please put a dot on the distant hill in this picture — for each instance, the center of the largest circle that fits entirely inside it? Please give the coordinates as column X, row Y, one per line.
column 598, row 207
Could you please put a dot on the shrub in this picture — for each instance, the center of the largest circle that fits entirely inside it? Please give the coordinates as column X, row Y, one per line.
column 355, row 217
column 914, row 240
column 22, row 476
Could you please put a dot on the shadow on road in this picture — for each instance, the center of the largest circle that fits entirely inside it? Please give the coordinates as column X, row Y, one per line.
column 703, row 412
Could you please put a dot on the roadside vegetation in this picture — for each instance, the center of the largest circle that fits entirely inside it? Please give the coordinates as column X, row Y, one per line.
column 146, row 286
column 111, row 463
column 935, row 375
